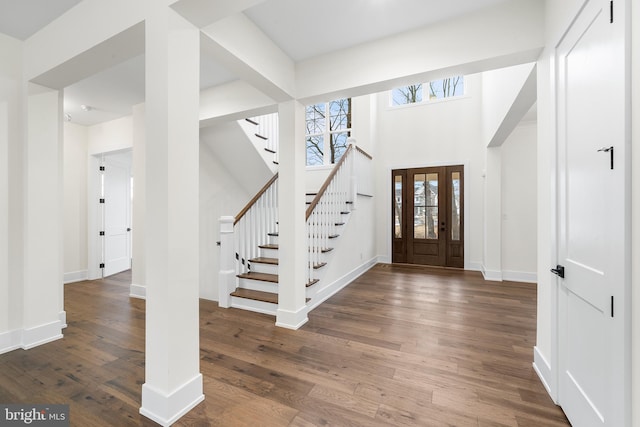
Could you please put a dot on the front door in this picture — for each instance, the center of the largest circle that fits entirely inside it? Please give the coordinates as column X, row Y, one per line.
column 592, row 219
column 427, row 212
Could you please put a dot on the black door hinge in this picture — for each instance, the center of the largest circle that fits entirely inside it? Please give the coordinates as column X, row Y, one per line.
column 611, row 305
column 102, row 233
column 102, row 265
column 101, row 200
column 611, row 12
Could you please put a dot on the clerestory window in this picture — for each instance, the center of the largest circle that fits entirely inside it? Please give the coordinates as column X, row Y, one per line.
column 328, row 126
column 426, row 92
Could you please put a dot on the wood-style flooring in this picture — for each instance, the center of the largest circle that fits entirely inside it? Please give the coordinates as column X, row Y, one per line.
column 400, row 346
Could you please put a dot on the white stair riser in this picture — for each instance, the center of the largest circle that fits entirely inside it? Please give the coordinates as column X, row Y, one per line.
column 258, row 285
column 252, row 305
column 273, row 240
column 258, row 267
column 269, row 253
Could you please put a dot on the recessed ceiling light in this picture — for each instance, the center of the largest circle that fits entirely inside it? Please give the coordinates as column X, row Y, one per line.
column 85, row 108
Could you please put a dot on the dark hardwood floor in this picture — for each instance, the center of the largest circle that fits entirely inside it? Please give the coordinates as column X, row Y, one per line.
column 399, row 346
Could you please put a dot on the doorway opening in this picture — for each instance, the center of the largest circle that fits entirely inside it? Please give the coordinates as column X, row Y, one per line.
column 428, row 216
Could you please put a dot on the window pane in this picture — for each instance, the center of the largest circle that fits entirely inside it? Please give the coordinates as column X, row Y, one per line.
column 419, row 183
column 446, row 88
column 397, row 199
column 338, row 146
column 432, row 222
column 406, row 95
column 432, row 189
column 455, row 206
column 315, row 150
column 340, row 114
column 315, row 119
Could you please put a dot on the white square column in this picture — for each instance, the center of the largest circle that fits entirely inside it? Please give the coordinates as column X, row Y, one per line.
column 173, row 383
column 43, row 313
column 492, row 260
column 292, row 242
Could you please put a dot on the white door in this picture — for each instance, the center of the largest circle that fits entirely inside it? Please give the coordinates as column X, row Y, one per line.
column 117, row 216
column 592, row 220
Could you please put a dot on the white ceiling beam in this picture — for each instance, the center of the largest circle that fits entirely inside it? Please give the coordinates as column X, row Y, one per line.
column 245, row 50
column 507, row 34
column 205, row 12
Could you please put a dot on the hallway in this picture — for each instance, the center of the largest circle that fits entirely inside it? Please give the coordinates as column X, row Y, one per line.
column 399, row 346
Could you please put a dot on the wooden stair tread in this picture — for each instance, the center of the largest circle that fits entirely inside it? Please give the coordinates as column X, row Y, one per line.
column 261, row 137
column 319, row 265
column 337, row 224
column 311, row 283
column 275, row 234
column 255, row 295
column 268, row 246
column 269, row 150
column 265, row 277
column 345, row 213
column 252, row 122
column 265, row 260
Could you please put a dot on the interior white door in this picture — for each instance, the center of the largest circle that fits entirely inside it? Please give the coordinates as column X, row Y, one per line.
column 117, row 217
column 592, row 220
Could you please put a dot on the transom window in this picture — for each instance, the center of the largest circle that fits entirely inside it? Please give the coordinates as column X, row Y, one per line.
column 328, row 126
column 436, row 89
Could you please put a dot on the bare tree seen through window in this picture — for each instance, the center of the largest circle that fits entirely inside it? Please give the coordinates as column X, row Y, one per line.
column 337, row 115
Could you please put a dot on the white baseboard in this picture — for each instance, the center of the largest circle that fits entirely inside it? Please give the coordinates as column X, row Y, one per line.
column 167, row 409
column 520, row 276
column 328, row 291
column 10, row 340
column 62, row 316
column 76, row 276
column 543, row 369
column 292, row 319
column 491, row 275
column 138, row 291
column 42, row 334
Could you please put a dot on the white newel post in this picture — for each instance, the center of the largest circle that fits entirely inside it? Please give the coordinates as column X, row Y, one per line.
column 227, row 275
column 353, row 182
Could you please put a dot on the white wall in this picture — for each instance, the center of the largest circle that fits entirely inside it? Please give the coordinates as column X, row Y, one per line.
column 111, row 136
column 519, row 204
column 76, row 138
column 500, row 89
column 10, row 191
column 220, row 195
column 446, row 132
column 635, row 251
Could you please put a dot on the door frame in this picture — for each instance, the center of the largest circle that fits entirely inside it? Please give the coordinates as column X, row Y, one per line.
column 94, row 213
column 550, row 373
column 388, row 198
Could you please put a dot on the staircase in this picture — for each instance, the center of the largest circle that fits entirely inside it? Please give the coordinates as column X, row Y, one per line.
column 257, row 288
column 249, row 241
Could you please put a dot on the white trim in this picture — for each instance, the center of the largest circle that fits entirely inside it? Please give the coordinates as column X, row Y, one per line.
column 491, row 275
column 520, row 276
column 543, row 369
column 292, row 319
column 42, row 334
column 167, row 409
column 62, row 316
column 10, row 340
column 137, row 291
column 76, row 276
column 328, row 291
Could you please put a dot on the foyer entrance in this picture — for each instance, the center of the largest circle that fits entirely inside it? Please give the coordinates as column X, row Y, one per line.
column 427, row 216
